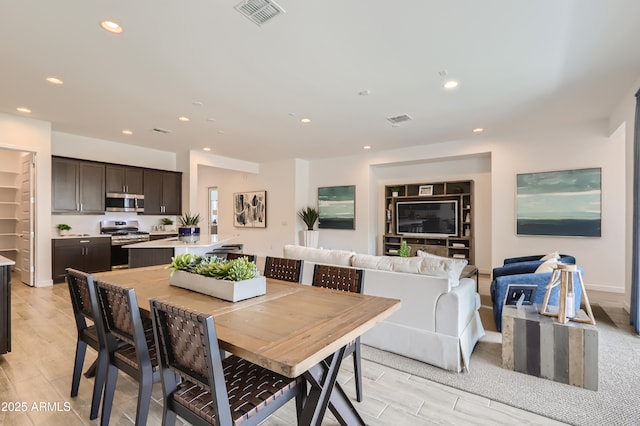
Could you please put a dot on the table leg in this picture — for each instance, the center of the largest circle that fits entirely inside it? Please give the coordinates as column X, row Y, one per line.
column 326, row 391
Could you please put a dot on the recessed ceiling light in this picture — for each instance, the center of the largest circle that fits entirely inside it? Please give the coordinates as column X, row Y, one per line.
column 366, row 147
column 23, row 109
column 221, row 132
column 305, row 120
column 127, row 132
column 184, row 119
column 206, row 149
column 211, row 119
column 54, row 80
column 450, row 84
column 478, row 130
column 112, row 27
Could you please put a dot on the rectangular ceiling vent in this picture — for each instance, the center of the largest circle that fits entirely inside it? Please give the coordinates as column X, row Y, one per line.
column 160, row 130
column 259, row 11
column 400, row 118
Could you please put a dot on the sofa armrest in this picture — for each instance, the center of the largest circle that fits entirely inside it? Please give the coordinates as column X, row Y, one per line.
column 455, row 309
column 522, row 259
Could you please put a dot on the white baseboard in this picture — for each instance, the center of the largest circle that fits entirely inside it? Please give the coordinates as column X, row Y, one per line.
column 604, row 288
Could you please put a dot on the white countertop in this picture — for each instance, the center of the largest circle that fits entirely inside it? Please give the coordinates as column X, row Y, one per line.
column 206, row 241
column 6, row 262
column 62, row 237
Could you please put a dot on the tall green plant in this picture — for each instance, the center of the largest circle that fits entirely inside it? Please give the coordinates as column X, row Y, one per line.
column 188, row 219
column 309, row 216
column 405, row 249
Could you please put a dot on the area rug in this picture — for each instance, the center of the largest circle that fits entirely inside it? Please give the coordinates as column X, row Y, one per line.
column 616, row 402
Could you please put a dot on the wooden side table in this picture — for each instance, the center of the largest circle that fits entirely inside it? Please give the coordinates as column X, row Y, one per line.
column 540, row 346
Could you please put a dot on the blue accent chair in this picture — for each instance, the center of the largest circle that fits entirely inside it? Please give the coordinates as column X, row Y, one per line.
column 526, row 265
column 500, row 283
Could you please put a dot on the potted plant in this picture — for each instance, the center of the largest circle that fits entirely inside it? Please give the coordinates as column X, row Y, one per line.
column 189, row 231
column 405, row 249
column 63, row 229
column 167, row 224
column 309, row 216
column 395, row 192
column 231, row 280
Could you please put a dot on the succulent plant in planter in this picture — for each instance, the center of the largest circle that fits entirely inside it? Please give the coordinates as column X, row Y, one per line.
column 63, row 228
column 405, row 249
column 231, row 280
column 189, row 230
column 309, row 216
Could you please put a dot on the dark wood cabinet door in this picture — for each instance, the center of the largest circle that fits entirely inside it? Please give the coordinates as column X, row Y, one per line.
column 66, row 254
column 115, row 179
column 133, row 180
column 172, row 193
column 64, row 185
column 5, row 309
column 153, row 192
column 91, row 184
column 97, row 255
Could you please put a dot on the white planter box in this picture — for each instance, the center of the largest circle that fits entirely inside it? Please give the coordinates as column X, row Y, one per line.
column 233, row 291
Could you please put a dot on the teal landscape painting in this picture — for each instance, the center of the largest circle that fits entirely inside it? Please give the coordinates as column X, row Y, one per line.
column 560, row 203
column 337, row 207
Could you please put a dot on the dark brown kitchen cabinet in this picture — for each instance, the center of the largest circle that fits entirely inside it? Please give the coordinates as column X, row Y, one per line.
column 162, row 192
column 91, row 254
column 124, row 179
column 77, row 186
column 5, row 309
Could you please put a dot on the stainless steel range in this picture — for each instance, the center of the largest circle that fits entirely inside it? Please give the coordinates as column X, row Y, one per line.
column 122, row 232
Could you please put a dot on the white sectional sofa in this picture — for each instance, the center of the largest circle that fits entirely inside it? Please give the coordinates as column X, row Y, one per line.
column 438, row 322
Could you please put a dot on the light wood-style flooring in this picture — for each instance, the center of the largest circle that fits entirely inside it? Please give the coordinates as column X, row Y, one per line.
column 35, row 380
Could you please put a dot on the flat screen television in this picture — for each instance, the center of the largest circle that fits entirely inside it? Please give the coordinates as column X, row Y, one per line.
column 432, row 218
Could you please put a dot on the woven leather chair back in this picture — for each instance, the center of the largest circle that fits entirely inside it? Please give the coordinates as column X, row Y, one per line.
column 79, row 283
column 181, row 339
column 283, row 269
column 338, row 278
column 117, row 304
column 250, row 257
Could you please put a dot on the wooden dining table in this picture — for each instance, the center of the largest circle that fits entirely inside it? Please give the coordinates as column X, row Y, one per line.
column 293, row 330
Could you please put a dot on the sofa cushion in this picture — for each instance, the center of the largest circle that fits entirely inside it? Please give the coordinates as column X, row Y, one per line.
column 408, row 265
column 547, row 266
column 318, row 255
column 551, row 256
column 367, row 261
column 439, row 266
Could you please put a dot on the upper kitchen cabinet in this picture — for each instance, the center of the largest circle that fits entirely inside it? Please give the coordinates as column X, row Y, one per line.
column 162, row 192
column 77, row 186
column 124, row 179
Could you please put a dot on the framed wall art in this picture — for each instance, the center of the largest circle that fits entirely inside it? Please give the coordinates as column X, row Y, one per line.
column 250, row 209
column 425, row 190
column 337, row 207
column 559, row 203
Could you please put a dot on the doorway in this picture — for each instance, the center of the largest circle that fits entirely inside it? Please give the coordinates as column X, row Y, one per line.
column 17, row 206
column 213, row 210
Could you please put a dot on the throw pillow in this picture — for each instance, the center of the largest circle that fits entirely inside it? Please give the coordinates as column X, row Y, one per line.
column 409, row 265
column 551, row 256
column 317, row 255
column 439, row 266
column 547, row 266
column 368, row 261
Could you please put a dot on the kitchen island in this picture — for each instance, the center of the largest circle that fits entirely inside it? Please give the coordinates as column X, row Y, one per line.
column 160, row 252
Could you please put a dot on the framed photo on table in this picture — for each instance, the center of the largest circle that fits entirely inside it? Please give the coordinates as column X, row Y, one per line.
column 425, row 190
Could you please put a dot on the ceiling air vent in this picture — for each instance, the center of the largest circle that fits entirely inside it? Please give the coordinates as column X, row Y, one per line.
column 259, row 11
column 163, row 131
column 400, row 118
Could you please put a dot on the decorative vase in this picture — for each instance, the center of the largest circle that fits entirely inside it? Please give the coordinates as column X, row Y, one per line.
column 189, row 234
column 310, row 238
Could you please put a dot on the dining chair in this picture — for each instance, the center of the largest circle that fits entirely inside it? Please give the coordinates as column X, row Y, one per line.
column 137, row 357
column 84, row 303
column 345, row 279
column 251, row 257
column 202, row 388
column 283, row 269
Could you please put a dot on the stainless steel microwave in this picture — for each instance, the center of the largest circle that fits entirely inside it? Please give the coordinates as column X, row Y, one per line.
column 116, row 202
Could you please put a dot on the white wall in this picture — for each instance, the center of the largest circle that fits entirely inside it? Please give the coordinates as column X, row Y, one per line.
column 278, row 179
column 35, row 136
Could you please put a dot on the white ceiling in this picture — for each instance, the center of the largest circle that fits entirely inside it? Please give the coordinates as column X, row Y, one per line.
column 520, row 63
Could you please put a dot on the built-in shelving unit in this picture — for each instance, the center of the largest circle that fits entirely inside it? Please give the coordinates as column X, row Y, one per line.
column 9, row 209
column 459, row 246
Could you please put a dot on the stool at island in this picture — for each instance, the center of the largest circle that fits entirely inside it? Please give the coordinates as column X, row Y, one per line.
column 563, row 276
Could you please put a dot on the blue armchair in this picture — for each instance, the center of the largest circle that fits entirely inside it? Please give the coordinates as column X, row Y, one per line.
column 499, row 290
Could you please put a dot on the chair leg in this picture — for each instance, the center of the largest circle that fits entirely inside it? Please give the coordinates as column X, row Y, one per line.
column 109, row 391
column 81, row 349
column 357, row 370
column 144, row 398
column 102, row 364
